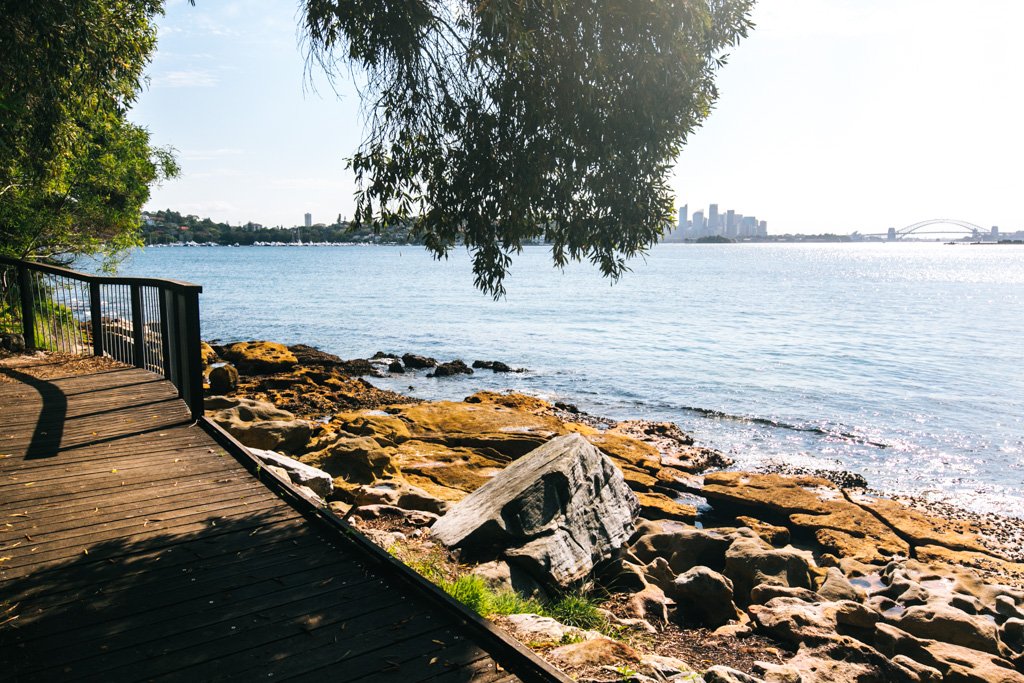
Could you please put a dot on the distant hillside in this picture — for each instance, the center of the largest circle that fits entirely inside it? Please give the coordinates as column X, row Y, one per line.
column 170, row 227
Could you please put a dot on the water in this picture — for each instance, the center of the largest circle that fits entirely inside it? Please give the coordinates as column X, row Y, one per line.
column 901, row 362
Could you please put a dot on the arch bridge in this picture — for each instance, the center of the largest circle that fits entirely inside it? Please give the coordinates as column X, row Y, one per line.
column 938, row 226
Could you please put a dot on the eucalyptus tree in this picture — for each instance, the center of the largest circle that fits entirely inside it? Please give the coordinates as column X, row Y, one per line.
column 491, row 123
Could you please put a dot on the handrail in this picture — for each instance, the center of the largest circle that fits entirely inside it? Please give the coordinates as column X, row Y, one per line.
column 147, row 322
column 102, row 279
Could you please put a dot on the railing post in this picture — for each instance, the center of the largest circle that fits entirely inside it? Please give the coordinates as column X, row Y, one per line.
column 165, row 331
column 28, row 314
column 192, row 352
column 96, row 318
column 138, row 338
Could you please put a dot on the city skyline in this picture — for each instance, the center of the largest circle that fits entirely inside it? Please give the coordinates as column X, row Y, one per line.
column 823, row 106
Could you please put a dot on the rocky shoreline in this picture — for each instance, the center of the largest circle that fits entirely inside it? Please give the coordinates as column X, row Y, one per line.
column 674, row 567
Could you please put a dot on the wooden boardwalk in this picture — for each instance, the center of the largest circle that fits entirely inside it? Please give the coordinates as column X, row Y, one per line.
column 134, row 547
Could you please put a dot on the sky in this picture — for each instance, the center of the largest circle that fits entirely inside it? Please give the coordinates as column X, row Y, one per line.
column 833, row 116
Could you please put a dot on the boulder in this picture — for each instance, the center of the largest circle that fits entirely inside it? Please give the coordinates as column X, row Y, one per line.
column 455, row 367
column 320, row 482
column 650, row 604
column 704, row 596
column 400, row 494
column 939, row 621
column 557, row 511
column 396, row 367
column 261, row 425
column 954, row 662
column 15, row 343
column 533, row 628
column 841, row 660
column 686, row 547
column 1011, row 634
column 416, row 362
column 837, row 587
column 206, row 354
column 354, row 459
column 260, row 357
column 777, row 536
column 750, row 562
column 223, row 379
column 795, row 621
column 493, row 365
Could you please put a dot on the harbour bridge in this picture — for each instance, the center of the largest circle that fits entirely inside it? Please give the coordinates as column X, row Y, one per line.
column 937, row 226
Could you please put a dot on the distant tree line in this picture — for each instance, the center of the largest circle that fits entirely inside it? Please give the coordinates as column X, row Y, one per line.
column 171, row 227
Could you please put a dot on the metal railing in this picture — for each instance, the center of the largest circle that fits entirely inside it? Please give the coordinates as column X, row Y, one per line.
column 145, row 322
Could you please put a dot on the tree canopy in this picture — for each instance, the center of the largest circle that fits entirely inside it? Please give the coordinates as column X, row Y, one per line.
column 498, row 122
column 74, row 172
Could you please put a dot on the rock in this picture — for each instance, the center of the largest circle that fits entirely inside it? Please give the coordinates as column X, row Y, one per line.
column 685, row 547
column 1011, row 634
column 15, row 343
column 411, row 517
column 455, row 367
column 624, row 576
column 704, row 596
column 320, row 482
column 763, row 592
column 837, row 587
column 354, row 459
column 777, row 536
column 841, row 660
column 260, row 357
column 416, row 362
column 663, row 668
column 223, row 379
column 260, row 425
column 493, row 365
column 485, row 427
column 558, row 511
column 676, row 448
column 399, row 494
column 943, row 622
column 533, row 628
column 310, row 355
column 810, row 503
column 206, row 353
column 246, row 409
column 795, row 621
column 723, row 674
column 751, row 561
column 954, row 662
column 396, row 367
column 501, row 575
column 1006, row 606
column 660, row 506
column 650, row 604
column 596, row 652
column 924, row 674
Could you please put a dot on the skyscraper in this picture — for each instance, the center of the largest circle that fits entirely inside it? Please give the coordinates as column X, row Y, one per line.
column 713, row 220
column 309, row 220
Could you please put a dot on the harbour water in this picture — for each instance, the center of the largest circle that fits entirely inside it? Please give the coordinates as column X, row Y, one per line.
column 901, row 362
